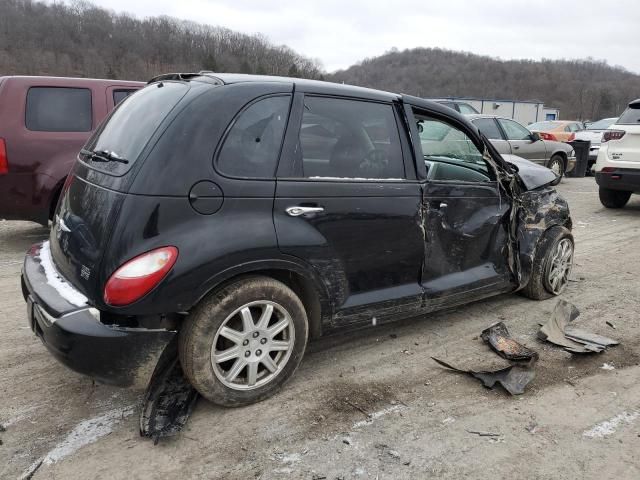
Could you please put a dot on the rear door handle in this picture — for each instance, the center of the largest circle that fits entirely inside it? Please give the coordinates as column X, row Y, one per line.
column 297, row 211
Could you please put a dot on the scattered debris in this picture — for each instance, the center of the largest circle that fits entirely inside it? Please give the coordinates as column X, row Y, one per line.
column 169, row 399
column 2, row 428
column 532, row 428
column 607, row 366
column 574, row 340
column 448, row 420
column 346, row 441
column 611, row 324
column 608, row 427
column 480, row 433
column 513, row 378
column 499, row 339
column 393, row 454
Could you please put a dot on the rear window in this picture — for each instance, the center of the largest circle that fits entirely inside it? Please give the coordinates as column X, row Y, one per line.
column 543, row 126
column 631, row 116
column 130, row 126
column 58, row 109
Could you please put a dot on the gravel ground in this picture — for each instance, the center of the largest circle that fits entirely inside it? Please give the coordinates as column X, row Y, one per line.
column 369, row 404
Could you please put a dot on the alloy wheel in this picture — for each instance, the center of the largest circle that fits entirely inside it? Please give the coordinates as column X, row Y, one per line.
column 252, row 345
column 560, row 267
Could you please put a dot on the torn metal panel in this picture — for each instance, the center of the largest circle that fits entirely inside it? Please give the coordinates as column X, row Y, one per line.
column 537, row 211
column 513, row 379
column 169, row 399
column 583, row 336
column 558, row 332
column 500, row 340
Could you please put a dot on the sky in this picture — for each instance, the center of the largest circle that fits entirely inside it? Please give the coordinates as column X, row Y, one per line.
column 340, row 33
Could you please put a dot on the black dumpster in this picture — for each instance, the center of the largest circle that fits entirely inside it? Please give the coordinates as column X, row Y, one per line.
column 582, row 158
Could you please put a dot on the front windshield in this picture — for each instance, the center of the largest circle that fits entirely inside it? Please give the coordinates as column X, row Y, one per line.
column 602, row 124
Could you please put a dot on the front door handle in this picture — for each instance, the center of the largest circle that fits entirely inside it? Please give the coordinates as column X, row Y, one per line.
column 297, row 211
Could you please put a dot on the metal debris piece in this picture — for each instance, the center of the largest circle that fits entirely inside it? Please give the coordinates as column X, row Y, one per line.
column 169, row 399
column 513, row 378
column 574, row 340
column 480, row 433
column 610, row 324
column 499, row 339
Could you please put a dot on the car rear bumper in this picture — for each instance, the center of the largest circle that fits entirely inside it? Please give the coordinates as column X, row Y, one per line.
column 626, row 179
column 77, row 337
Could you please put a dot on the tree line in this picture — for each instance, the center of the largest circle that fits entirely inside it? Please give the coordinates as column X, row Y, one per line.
column 581, row 89
column 82, row 40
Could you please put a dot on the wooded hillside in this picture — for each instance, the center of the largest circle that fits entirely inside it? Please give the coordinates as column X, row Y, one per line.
column 581, row 89
column 83, row 40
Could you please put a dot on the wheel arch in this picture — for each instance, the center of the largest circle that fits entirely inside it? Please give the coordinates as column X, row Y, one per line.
column 300, row 278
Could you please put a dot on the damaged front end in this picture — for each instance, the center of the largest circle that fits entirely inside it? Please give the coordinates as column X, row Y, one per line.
column 536, row 206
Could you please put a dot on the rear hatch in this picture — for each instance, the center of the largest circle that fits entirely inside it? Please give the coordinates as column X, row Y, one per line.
column 99, row 181
column 626, row 147
column 593, row 136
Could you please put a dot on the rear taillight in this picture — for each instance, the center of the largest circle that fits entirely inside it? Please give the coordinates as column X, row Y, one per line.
column 139, row 276
column 548, row 136
column 571, row 138
column 609, row 135
column 4, row 163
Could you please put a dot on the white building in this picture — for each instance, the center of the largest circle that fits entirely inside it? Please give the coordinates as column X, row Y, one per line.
column 525, row 111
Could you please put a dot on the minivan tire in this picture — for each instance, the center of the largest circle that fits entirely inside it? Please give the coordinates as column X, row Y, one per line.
column 538, row 287
column 613, row 198
column 203, row 325
column 557, row 159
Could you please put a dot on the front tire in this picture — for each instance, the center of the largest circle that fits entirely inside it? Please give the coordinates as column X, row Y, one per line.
column 613, row 198
column 552, row 264
column 243, row 342
column 556, row 165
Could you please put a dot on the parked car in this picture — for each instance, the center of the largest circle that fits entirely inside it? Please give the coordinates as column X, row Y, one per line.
column 557, row 130
column 617, row 168
column 510, row 137
column 297, row 209
column 44, row 121
column 462, row 107
column 593, row 134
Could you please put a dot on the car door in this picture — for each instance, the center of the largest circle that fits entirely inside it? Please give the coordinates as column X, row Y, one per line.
column 522, row 142
column 348, row 203
column 490, row 129
column 464, row 216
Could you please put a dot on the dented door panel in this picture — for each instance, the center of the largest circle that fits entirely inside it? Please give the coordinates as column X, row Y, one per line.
column 465, row 241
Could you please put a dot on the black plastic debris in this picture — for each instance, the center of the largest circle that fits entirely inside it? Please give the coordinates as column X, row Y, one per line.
column 559, row 332
column 513, row 378
column 169, row 399
column 498, row 337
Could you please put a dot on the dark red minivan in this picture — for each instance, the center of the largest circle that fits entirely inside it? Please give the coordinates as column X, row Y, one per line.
column 44, row 122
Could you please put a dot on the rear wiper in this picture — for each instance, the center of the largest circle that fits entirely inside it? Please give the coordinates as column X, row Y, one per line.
column 102, row 156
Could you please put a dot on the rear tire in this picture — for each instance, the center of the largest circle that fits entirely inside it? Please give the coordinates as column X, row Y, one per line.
column 548, row 264
column 613, row 198
column 227, row 345
column 556, row 164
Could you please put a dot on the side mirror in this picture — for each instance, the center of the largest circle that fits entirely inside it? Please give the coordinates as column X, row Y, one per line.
column 535, row 136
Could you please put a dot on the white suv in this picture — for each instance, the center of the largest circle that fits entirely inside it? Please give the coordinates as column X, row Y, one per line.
column 618, row 165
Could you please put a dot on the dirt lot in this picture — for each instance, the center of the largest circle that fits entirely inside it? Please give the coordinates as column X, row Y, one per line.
column 370, row 404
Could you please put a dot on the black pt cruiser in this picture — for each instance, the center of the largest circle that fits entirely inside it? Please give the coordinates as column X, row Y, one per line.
column 244, row 215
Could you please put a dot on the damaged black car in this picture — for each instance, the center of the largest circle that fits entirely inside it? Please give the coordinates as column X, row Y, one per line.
column 241, row 216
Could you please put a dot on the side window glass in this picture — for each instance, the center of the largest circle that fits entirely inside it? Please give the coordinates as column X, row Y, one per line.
column 58, row 109
column 349, row 139
column 119, row 95
column 489, row 128
column 252, row 147
column 449, row 153
column 514, row 130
